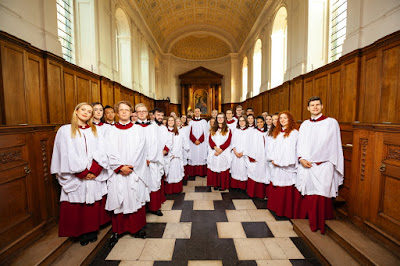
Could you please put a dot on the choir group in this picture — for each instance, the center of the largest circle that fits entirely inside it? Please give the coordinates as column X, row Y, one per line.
column 118, row 171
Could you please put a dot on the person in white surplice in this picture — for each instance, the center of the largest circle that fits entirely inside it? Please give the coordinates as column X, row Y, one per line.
column 321, row 165
column 198, row 136
column 156, row 148
column 282, row 154
column 231, row 121
column 128, row 189
column 78, row 161
column 174, row 171
column 219, row 158
column 239, row 145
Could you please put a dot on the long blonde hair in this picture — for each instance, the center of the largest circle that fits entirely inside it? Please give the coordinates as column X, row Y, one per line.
column 74, row 121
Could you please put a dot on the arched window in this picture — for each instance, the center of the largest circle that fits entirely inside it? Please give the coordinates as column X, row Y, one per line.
column 257, row 63
column 124, row 48
column 338, row 22
column 144, row 68
column 279, row 47
column 65, row 25
column 244, row 78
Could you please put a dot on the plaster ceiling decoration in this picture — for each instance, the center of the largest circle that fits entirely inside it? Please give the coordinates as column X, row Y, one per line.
column 166, row 17
column 200, row 47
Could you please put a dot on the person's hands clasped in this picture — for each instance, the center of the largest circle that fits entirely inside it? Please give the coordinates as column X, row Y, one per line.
column 126, row 170
column 90, row 176
column 305, row 163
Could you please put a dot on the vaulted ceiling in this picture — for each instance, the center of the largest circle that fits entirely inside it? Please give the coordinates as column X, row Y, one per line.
column 173, row 21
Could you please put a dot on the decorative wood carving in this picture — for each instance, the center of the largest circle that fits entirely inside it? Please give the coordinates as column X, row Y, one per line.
column 363, row 152
column 8, row 157
column 43, row 146
column 393, row 153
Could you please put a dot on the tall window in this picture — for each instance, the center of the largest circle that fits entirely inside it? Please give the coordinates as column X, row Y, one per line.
column 244, row 79
column 257, row 63
column 123, row 48
column 144, row 68
column 65, row 28
column 279, row 48
column 338, row 20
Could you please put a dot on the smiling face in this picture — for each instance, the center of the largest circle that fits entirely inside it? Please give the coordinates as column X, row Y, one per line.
column 229, row 115
column 268, row 120
column 178, row 122
column 220, row 119
column 260, row 123
column 275, row 120
column 98, row 111
column 142, row 112
column 214, row 113
column 284, row 120
column 212, row 122
column 84, row 113
column 159, row 116
column 197, row 112
column 110, row 114
column 250, row 119
column 315, row 108
column 239, row 111
column 134, row 117
column 124, row 113
column 242, row 122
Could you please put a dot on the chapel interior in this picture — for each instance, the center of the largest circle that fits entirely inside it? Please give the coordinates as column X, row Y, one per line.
column 271, row 55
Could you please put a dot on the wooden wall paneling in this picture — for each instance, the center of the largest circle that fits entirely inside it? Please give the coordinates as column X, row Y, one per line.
column 370, row 88
column 137, row 97
column 84, row 93
column 55, row 91
column 95, row 90
column 296, row 101
column 13, row 87
column 284, row 97
column 320, row 88
column 36, row 103
column 349, row 92
column 333, row 102
column 117, row 92
column 307, row 93
column 390, row 85
column 265, row 103
column 107, row 92
column 71, row 99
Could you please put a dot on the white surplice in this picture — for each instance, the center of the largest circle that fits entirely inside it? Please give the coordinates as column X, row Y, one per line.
column 74, row 155
column 223, row 161
column 233, row 123
column 127, row 194
column 283, row 152
column 258, row 170
column 198, row 153
column 174, row 170
column 320, row 142
column 240, row 141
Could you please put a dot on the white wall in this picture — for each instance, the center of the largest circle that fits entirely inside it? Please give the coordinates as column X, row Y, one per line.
column 34, row 21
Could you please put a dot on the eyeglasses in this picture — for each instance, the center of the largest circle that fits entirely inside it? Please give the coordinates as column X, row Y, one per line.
column 142, row 111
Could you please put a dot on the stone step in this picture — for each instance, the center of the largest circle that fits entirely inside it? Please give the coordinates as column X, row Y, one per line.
column 365, row 249
column 44, row 250
column 83, row 255
column 328, row 250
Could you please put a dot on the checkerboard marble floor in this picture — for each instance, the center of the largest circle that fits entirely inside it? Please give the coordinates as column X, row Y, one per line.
column 201, row 226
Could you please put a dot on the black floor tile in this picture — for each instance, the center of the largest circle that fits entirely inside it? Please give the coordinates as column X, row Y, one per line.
column 191, row 178
column 204, row 231
column 183, row 205
column 240, row 263
column 175, row 197
column 223, row 205
column 155, row 230
column 234, row 195
column 204, row 216
column 306, row 262
column 279, row 218
column 202, row 189
column 205, row 249
column 100, row 258
column 260, row 203
column 184, row 182
column 303, row 248
column 171, row 263
column 256, row 230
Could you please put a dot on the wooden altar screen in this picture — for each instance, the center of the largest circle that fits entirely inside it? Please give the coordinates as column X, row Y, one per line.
column 201, row 88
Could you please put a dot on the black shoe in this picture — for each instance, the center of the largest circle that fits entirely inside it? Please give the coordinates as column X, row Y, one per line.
column 220, row 189
column 158, row 213
column 92, row 237
column 140, row 234
column 84, row 240
column 114, row 239
column 215, row 188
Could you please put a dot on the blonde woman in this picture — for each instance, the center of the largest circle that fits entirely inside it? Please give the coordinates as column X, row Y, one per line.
column 78, row 160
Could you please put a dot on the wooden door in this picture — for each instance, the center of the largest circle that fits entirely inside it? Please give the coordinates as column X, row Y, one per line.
column 385, row 187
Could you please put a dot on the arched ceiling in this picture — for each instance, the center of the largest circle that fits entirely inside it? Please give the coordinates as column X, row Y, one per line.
column 167, row 17
column 200, row 47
